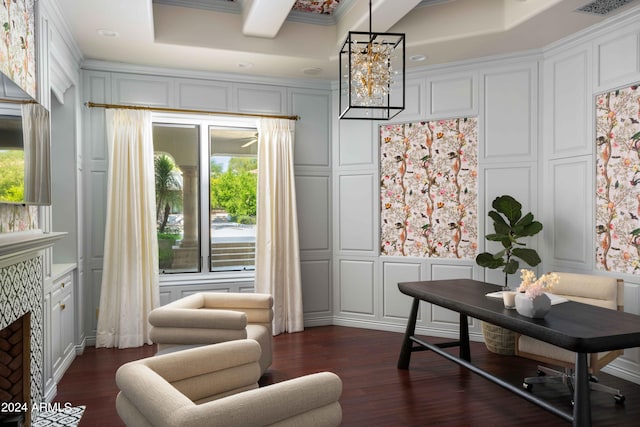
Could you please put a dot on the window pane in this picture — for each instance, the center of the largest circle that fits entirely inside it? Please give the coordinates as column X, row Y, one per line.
column 234, row 178
column 177, row 174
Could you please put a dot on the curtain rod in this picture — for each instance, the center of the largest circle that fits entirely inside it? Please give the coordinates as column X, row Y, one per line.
column 181, row 110
column 18, row 101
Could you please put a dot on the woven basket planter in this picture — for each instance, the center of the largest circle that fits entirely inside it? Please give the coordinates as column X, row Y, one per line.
column 499, row 340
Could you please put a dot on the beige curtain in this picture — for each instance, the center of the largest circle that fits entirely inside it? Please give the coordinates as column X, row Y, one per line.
column 35, row 137
column 277, row 248
column 130, row 268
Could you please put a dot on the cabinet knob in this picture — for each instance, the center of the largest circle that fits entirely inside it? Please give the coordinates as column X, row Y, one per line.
column 62, row 285
column 62, row 306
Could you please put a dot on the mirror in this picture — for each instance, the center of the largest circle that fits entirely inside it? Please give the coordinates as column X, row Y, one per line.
column 24, row 147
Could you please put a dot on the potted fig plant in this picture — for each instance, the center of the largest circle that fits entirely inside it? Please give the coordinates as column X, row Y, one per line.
column 509, row 227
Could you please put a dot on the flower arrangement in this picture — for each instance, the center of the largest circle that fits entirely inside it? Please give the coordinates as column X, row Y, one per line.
column 533, row 287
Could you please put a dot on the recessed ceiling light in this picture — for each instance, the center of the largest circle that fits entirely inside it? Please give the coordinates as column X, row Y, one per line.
column 107, row 33
column 312, row 71
column 245, row 65
column 417, row 58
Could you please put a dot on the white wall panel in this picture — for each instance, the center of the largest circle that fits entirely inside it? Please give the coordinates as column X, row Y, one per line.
column 96, row 89
column 142, row 90
column 98, row 212
column 356, row 212
column 453, row 95
column 395, row 303
column 357, row 143
column 414, row 101
column 260, row 99
column 509, row 110
column 451, row 271
column 316, row 295
column 356, row 286
column 312, row 197
column 518, row 181
column 313, row 129
column 572, row 210
column 617, row 60
column 203, row 95
column 570, row 96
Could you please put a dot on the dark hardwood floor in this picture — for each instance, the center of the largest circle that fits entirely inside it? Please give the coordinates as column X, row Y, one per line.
column 433, row 391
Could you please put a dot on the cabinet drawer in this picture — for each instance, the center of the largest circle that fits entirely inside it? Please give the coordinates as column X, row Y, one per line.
column 63, row 284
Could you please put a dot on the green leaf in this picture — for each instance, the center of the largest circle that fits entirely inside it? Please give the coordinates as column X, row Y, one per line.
column 509, row 207
column 525, row 220
column 496, row 237
column 636, row 136
column 530, row 256
column 532, row 229
column 511, row 267
column 497, row 219
column 485, row 259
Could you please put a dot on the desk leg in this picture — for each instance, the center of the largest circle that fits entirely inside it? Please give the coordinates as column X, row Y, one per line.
column 407, row 344
column 582, row 398
column 465, row 349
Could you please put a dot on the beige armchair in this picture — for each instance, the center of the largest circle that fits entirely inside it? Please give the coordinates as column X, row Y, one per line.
column 214, row 317
column 602, row 291
column 217, row 385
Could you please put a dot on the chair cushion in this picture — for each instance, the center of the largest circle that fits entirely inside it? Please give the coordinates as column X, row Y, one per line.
column 588, row 289
column 533, row 346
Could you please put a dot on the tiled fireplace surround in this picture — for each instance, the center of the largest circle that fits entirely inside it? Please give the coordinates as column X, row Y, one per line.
column 21, row 291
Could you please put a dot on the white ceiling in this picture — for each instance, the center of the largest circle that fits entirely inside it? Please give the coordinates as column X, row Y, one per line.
column 260, row 37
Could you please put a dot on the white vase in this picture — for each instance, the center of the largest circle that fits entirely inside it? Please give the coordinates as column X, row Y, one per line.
column 535, row 308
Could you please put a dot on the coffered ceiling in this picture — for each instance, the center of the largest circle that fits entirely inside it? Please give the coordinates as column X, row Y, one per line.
column 301, row 38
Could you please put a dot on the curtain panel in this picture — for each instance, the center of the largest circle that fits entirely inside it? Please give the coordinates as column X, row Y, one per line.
column 277, row 246
column 130, row 275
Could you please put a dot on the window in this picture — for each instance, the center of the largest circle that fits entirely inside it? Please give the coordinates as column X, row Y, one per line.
column 206, row 184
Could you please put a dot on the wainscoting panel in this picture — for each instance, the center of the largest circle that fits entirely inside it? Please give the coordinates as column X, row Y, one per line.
column 568, row 119
column 357, row 144
column 142, row 90
column 357, row 201
column 96, row 89
column 312, row 197
column 260, row 99
column 395, row 304
column 616, row 60
column 452, row 271
column 98, row 218
column 414, row 102
column 356, row 278
column 316, row 294
column 510, row 111
column 203, row 95
column 453, row 95
column 518, row 181
column 313, row 129
column 572, row 197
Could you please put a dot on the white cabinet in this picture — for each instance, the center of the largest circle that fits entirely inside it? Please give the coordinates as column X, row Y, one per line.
column 59, row 325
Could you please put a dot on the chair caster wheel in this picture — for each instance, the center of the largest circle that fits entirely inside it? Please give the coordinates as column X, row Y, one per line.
column 527, row 386
column 619, row 399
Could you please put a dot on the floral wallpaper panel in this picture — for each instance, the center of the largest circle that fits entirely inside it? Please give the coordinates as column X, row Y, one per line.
column 429, row 189
column 618, row 180
column 17, row 46
column 17, row 61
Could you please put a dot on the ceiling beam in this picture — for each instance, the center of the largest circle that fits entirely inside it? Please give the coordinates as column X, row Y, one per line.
column 384, row 15
column 264, row 18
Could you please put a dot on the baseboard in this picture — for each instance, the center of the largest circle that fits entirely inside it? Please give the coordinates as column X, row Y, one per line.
column 625, row 369
column 392, row 327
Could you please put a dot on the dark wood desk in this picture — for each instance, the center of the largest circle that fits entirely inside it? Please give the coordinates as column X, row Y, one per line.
column 574, row 326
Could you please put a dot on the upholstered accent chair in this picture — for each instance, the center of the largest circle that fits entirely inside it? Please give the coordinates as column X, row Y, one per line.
column 213, row 317
column 601, row 291
column 217, row 385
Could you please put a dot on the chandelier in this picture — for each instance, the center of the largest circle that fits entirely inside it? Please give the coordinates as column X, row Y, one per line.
column 372, row 75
